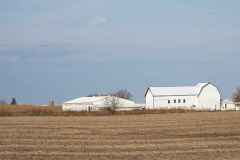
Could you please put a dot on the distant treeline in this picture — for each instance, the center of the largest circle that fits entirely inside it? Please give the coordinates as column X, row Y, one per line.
column 122, row 93
column 13, row 102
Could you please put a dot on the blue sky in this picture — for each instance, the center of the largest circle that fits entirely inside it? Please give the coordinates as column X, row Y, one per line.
column 63, row 49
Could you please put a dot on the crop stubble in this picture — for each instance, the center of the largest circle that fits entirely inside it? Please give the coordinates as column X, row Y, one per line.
column 181, row 136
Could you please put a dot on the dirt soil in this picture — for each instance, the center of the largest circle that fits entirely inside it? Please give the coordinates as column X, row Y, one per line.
column 176, row 136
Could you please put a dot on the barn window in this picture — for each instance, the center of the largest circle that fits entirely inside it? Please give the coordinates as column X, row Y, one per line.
column 175, row 101
column 184, row 100
column 169, row 101
column 179, row 100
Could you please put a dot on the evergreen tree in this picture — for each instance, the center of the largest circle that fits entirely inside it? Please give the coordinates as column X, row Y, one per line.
column 13, row 102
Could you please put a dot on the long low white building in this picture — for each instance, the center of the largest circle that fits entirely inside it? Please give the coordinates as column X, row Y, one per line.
column 228, row 105
column 203, row 96
column 98, row 103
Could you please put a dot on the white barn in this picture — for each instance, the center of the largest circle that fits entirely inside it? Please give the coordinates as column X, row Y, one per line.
column 203, row 96
column 98, row 103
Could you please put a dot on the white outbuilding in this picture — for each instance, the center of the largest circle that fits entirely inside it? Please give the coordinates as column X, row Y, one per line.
column 98, row 103
column 203, row 96
column 228, row 105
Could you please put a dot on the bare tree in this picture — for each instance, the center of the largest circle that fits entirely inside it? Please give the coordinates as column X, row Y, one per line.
column 96, row 94
column 111, row 103
column 51, row 103
column 91, row 95
column 123, row 93
column 2, row 102
column 236, row 95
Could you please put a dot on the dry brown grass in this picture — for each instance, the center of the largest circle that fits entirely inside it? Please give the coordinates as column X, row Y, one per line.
column 29, row 110
column 181, row 136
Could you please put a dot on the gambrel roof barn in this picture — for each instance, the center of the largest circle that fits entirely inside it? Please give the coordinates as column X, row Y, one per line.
column 203, row 96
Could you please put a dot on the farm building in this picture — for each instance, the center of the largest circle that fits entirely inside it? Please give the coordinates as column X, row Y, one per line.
column 98, row 103
column 228, row 105
column 203, row 96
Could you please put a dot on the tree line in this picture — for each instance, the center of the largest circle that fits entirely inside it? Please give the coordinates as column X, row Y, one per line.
column 236, row 95
column 13, row 101
column 122, row 93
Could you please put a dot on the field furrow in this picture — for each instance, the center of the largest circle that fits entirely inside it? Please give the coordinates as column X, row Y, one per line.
column 152, row 136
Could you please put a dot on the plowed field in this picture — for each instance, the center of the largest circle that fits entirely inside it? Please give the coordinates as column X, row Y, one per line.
column 181, row 136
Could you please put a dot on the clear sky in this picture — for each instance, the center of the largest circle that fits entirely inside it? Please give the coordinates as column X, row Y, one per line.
column 61, row 49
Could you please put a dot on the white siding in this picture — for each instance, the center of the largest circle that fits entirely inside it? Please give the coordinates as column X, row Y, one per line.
column 209, row 98
column 228, row 107
column 161, row 102
column 77, row 107
column 149, row 100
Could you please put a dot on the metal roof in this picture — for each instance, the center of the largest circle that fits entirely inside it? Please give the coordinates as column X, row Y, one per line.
column 183, row 90
column 92, row 100
column 228, row 101
column 86, row 99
